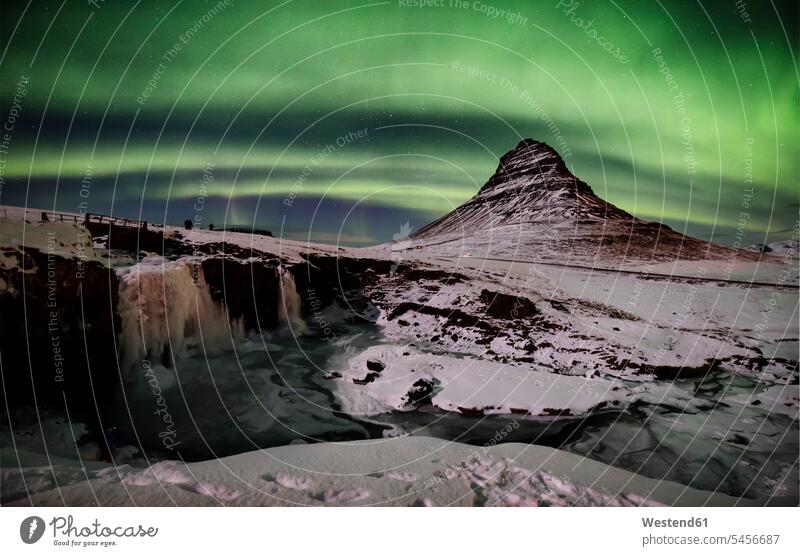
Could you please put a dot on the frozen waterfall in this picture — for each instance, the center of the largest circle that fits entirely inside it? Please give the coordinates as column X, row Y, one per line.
column 289, row 304
column 166, row 305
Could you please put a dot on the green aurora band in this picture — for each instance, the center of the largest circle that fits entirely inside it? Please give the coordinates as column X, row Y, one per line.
column 354, row 117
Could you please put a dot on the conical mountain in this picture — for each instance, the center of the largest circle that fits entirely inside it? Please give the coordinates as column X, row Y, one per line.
column 533, row 207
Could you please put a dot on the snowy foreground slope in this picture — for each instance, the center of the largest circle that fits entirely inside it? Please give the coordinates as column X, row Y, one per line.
column 414, row 471
column 535, row 306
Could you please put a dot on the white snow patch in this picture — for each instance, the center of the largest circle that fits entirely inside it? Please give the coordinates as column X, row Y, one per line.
column 464, row 384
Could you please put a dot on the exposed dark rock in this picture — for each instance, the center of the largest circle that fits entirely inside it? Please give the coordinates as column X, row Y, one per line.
column 422, row 391
column 136, row 239
column 321, row 280
column 371, row 376
column 672, row 372
column 455, row 317
column 375, row 365
column 225, row 248
column 58, row 327
column 473, row 411
column 603, row 309
column 504, row 306
column 530, row 346
column 249, row 290
column 550, row 412
column 418, row 273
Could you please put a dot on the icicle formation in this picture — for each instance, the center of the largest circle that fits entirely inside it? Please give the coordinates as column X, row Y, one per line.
column 289, row 304
column 166, row 304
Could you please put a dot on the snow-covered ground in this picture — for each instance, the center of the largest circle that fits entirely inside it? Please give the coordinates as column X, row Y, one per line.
column 578, row 321
column 482, row 338
column 403, row 378
column 535, row 306
column 61, row 239
column 410, row 471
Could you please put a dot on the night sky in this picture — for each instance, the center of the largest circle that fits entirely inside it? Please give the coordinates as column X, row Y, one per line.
column 344, row 120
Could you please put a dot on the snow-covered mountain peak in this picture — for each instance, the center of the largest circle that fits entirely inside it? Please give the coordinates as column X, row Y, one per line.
column 534, row 160
column 532, row 184
column 534, row 207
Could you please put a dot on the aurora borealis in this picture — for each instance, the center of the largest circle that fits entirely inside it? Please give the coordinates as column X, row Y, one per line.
column 342, row 120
